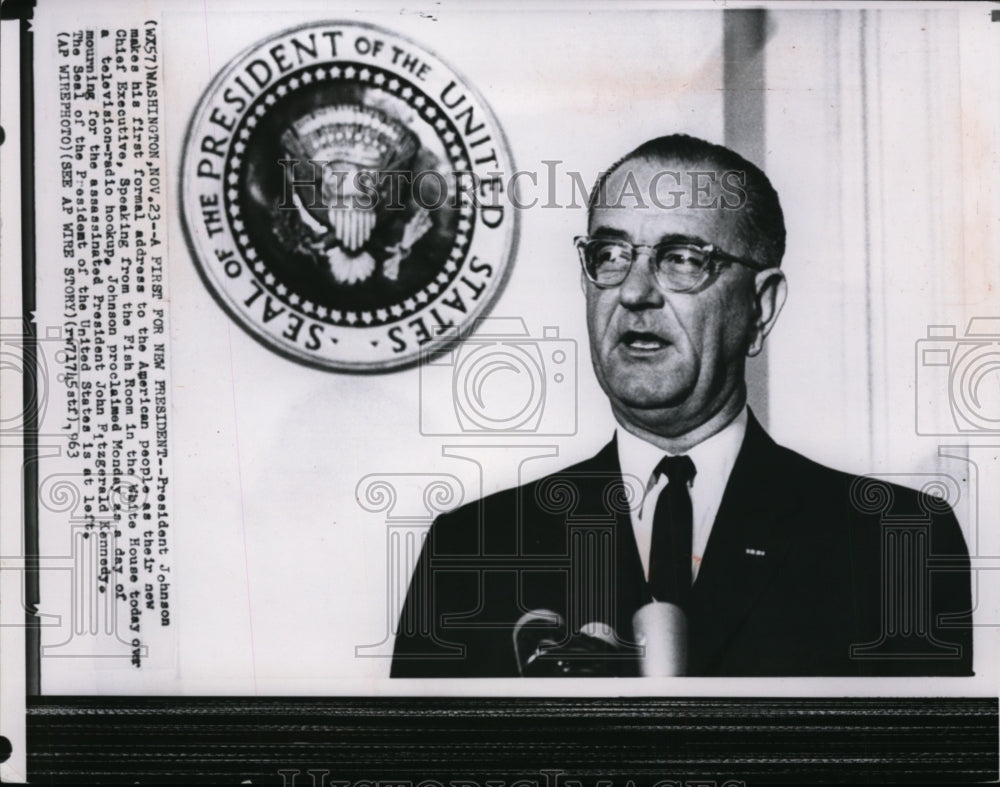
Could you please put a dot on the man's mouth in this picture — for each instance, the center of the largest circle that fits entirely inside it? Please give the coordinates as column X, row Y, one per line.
column 643, row 341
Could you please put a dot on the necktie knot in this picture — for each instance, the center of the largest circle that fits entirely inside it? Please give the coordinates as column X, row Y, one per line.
column 677, row 469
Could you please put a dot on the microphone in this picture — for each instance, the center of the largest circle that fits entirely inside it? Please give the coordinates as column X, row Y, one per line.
column 661, row 631
column 543, row 648
column 535, row 633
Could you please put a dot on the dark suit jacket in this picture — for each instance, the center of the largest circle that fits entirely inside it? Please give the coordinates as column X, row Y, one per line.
column 808, row 571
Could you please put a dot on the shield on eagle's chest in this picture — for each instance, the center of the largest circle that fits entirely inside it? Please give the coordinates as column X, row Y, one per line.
column 352, row 145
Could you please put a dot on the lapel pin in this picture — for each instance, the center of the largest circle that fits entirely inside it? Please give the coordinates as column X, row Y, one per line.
column 755, row 552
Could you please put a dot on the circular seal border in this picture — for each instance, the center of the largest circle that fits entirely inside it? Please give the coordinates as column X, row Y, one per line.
column 347, row 319
column 435, row 346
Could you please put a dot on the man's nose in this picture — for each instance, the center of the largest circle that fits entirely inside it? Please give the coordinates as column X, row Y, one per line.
column 640, row 289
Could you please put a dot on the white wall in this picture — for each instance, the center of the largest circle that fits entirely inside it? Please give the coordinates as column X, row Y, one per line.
column 882, row 140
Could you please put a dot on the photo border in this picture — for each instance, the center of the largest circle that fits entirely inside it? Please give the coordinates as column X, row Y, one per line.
column 474, row 740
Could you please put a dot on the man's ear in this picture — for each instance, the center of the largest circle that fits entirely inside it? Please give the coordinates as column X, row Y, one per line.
column 770, row 288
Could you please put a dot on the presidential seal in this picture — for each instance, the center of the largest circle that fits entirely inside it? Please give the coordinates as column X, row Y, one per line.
column 344, row 196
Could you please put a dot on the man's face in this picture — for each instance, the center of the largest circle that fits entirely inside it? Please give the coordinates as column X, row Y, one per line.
column 669, row 361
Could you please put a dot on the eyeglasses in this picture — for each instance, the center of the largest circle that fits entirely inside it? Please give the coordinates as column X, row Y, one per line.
column 679, row 267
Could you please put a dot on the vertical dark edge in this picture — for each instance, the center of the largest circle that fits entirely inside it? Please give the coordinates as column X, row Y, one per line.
column 28, row 268
column 744, row 33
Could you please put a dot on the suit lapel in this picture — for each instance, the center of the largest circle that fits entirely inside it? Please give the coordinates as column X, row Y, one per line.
column 751, row 533
column 605, row 501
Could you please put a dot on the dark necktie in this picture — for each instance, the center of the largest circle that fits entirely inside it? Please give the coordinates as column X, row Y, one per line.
column 670, row 552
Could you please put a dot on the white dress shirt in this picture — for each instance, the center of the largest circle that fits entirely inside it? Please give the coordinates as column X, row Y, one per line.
column 713, row 461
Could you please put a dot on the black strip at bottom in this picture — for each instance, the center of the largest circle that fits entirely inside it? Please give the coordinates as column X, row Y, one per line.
column 503, row 742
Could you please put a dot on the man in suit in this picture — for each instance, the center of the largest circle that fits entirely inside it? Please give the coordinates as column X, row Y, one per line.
column 779, row 566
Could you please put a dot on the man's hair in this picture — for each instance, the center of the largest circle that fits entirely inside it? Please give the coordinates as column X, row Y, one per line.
column 762, row 222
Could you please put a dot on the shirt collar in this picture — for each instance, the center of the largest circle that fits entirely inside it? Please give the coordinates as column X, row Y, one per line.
column 713, row 457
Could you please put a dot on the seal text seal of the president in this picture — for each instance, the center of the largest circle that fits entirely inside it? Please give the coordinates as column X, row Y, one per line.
column 343, row 194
